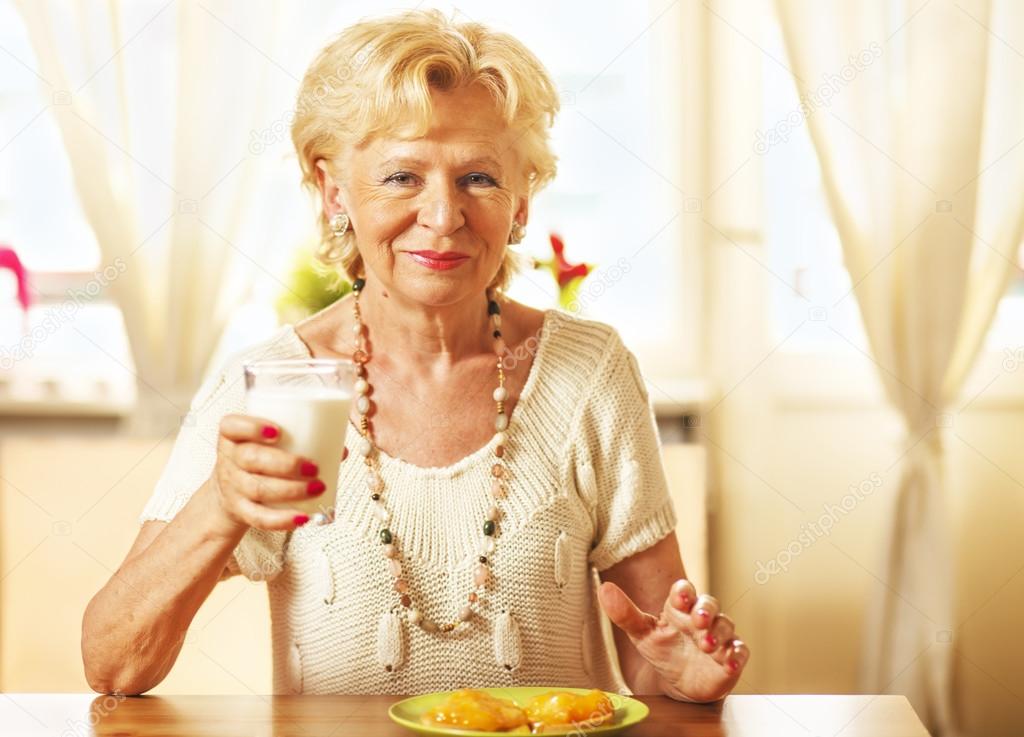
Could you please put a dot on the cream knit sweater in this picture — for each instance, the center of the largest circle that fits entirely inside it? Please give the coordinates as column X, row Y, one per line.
column 587, row 489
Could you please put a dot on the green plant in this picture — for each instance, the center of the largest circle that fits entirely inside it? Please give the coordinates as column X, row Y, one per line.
column 311, row 286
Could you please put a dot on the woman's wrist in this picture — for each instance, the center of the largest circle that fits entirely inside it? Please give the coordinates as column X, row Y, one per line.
column 220, row 525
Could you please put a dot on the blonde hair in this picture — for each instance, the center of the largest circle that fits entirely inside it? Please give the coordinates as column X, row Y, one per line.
column 376, row 76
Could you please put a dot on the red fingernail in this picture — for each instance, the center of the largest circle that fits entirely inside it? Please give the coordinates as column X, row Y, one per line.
column 685, row 602
column 344, row 453
column 300, row 520
column 315, row 487
column 733, row 666
column 712, row 641
column 702, row 612
column 269, row 432
column 308, row 468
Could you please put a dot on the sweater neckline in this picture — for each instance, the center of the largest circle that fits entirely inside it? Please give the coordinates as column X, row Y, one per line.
column 407, row 468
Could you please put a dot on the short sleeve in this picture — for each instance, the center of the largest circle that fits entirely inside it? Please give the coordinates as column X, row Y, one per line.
column 618, row 464
column 259, row 556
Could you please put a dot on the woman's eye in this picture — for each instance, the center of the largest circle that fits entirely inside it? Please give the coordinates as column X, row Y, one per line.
column 481, row 179
column 400, row 178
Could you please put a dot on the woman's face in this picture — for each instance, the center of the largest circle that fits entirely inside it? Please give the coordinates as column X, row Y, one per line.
column 454, row 191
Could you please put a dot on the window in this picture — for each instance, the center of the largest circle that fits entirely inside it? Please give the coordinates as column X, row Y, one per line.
column 71, row 323
column 803, row 243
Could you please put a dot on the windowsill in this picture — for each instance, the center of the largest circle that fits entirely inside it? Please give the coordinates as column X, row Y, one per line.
column 851, row 381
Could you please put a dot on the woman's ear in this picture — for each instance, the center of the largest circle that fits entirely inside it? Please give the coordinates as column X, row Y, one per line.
column 522, row 213
column 330, row 192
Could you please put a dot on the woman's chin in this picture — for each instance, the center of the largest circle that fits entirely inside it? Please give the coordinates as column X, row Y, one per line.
column 439, row 290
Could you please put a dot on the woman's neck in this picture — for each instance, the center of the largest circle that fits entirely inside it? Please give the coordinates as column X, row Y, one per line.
column 434, row 337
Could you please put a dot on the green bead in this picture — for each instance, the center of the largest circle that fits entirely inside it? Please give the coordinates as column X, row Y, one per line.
column 489, row 527
column 358, row 284
column 385, row 536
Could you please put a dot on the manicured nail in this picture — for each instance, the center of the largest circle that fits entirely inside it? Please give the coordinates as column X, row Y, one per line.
column 344, row 453
column 316, row 486
column 702, row 613
column 711, row 640
column 308, row 468
column 300, row 520
column 733, row 666
column 269, row 432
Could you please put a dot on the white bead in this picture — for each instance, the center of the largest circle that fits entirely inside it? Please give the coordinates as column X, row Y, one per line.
column 496, row 320
column 493, row 513
column 465, row 613
column 361, row 386
column 373, row 482
column 501, row 421
column 390, row 551
column 382, row 512
column 415, row 616
column 500, row 394
column 365, row 447
column 357, row 327
column 487, row 545
column 395, row 567
column 363, row 404
column 499, row 438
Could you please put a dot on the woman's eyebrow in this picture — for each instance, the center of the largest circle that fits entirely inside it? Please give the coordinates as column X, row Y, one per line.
column 401, row 161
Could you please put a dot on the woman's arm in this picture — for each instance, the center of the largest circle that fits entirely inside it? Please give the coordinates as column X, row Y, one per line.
column 134, row 627
column 644, row 577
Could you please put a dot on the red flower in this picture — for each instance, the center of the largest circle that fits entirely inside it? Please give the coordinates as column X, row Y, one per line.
column 564, row 271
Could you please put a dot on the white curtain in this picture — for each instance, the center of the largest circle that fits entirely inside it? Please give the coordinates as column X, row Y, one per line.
column 917, row 142
column 167, row 111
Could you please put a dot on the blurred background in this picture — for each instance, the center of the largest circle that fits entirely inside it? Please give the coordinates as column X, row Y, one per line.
column 805, row 218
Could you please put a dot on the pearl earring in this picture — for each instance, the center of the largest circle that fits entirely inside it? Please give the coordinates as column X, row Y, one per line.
column 517, row 234
column 339, row 224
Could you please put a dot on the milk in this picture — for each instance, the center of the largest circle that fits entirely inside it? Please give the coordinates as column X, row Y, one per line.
column 313, row 423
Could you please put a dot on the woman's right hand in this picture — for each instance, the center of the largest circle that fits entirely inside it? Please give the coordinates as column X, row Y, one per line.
column 251, row 472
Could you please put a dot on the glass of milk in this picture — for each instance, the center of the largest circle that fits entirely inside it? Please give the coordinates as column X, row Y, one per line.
column 309, row 400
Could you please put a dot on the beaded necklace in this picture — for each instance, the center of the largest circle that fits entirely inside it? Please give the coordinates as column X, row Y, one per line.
column 390, row 545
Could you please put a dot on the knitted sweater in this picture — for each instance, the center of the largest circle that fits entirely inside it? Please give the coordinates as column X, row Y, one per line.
column 586, row 489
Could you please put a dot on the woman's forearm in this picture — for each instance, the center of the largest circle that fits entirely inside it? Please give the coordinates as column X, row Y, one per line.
column 134, row 627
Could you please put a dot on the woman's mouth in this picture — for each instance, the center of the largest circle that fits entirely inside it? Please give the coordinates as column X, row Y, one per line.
column 438, row 260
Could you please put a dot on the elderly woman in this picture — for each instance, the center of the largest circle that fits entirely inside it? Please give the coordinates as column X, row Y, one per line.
column 425, row 141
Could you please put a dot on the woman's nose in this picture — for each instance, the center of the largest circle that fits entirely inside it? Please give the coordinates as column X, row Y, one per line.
column 441, row 210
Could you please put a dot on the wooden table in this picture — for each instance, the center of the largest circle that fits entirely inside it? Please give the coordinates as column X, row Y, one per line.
column 78, row 715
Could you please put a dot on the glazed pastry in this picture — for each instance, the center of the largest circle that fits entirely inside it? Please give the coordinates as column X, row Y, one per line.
column 560, row 709
column 470, row 708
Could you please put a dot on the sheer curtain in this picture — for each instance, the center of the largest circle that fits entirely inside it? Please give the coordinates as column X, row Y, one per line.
column 161, row 108
column 915, row 118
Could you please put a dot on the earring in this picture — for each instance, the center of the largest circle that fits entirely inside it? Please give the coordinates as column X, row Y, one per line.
column 517, row 234
column 339, row 224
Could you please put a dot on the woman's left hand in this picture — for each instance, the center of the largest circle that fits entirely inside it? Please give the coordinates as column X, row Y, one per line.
column 691, row 647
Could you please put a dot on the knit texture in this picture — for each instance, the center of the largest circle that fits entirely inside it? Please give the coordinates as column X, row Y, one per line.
column 586, row 490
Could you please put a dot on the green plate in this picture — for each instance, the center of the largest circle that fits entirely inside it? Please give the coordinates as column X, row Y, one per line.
column 408, row 712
